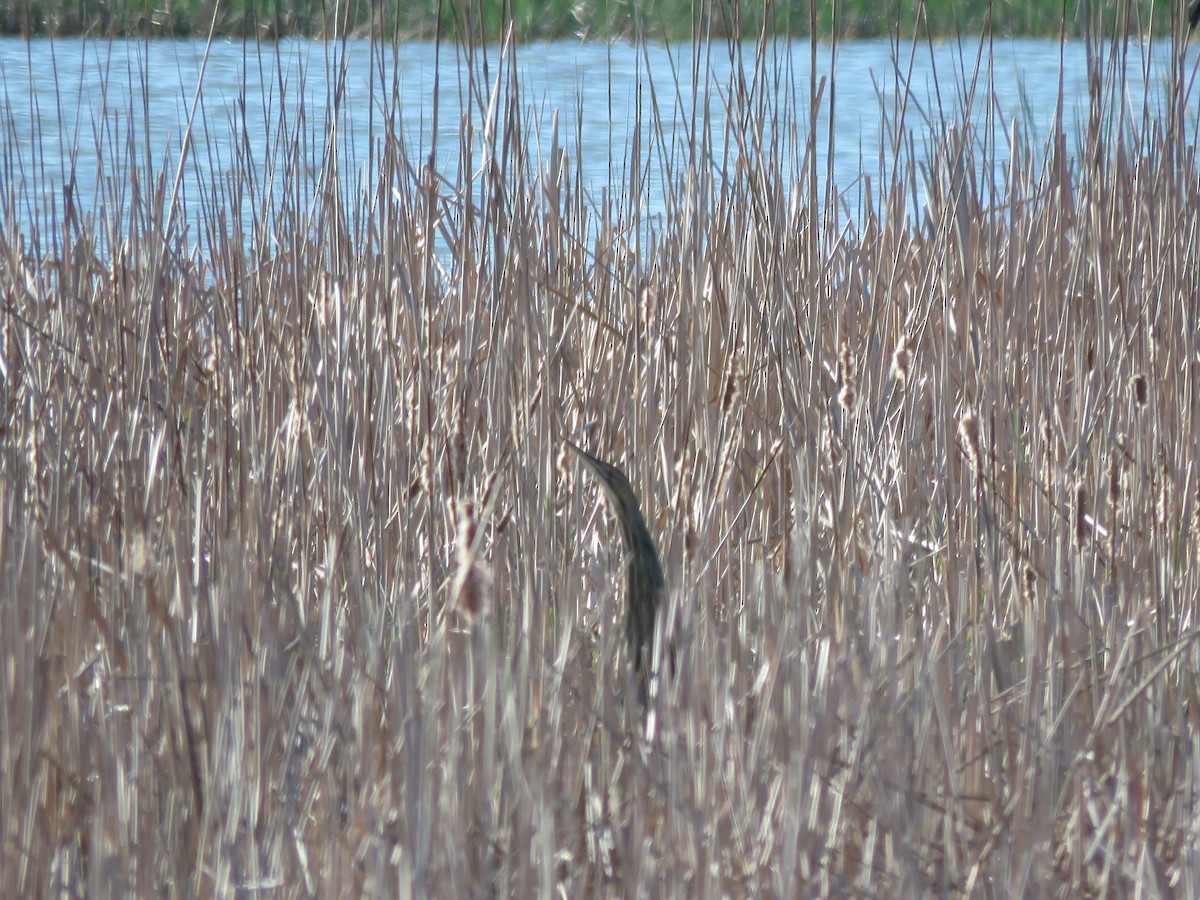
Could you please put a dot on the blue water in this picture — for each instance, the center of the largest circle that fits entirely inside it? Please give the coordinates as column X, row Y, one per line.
column 82, row 113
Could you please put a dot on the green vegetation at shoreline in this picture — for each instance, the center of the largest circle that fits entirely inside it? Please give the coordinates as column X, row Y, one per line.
column 557, row 19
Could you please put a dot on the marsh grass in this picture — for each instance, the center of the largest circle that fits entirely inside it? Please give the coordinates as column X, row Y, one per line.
column 300, row 594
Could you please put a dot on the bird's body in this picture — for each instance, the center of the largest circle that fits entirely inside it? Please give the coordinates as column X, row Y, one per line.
column 643, row 572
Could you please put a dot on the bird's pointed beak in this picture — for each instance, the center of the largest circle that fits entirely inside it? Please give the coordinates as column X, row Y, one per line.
column 594, row 465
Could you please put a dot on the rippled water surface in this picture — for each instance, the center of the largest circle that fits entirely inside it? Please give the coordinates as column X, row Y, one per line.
column 80, row 114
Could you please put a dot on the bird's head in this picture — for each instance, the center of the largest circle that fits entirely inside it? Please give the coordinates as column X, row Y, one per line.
column 616, row 485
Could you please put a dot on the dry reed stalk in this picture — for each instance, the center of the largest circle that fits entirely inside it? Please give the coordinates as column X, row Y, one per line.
column 221, row 582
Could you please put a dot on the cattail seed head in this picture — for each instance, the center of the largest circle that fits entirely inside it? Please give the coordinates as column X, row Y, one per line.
column 465, row 534
column 427, row 468
column 731, row 386
column 725, row 460
column 846, row 394
column 968, row 433
column 846, row 397
column 467, row 592
column 459, row 448
column 1141, row 390
column 1048, row 458
column 1030, row 584
column 1081, row 512
column 646, row 303
column 411, row 405
column 561, row 465
column 901, row 360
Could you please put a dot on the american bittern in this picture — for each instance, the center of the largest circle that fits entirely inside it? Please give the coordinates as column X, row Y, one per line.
column 643, row 574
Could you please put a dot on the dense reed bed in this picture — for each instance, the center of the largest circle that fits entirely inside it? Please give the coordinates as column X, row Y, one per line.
column 301, row 594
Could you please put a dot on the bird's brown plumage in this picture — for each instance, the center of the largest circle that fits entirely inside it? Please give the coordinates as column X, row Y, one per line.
column 643, row 573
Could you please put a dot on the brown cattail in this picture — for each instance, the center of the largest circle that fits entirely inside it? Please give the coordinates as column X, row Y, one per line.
column 1030, row 583
column 846, row 394
column 1048, row 444
column 901, row 359
column 412, row 404
column 465, row 536
column 562, row 467
column 1141, row 390
column 427, row 468
column 731, row 385
column 725, row 460
column 1081, row 513
column 968, row 433
column 468, row 596
column 646, row 305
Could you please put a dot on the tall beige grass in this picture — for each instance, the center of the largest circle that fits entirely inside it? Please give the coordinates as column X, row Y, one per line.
column 299, row 595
